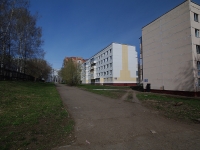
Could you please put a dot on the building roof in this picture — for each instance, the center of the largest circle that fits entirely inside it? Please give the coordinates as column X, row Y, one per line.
column 108, row 46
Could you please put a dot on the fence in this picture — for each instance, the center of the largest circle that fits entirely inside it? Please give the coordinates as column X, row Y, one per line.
column 6, row 74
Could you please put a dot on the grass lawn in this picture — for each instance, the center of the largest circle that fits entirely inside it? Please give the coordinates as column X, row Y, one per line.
column 176, row 107
column 115, row 92
column 32, row 116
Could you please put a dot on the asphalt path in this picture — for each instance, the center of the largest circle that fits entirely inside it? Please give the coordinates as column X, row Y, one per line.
column 106, row 123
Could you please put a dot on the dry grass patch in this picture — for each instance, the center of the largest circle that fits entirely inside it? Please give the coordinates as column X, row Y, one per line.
column 115, row 92
column 179, row 108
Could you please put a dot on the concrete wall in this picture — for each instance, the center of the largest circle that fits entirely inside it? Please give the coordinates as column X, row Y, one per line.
column 168, row 51
column 125, row 64
column 84, row 72
column 194, row 8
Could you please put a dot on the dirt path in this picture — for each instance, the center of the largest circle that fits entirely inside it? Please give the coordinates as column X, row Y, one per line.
column 105, row 123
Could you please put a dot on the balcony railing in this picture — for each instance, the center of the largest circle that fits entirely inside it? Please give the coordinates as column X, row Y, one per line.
column 92, row 68
column 92, row 76
column 93, row 61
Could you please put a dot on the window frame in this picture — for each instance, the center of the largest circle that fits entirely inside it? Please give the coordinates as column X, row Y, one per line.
column 198, row 68
column 198, row 49
column 196, row 17
column 197, row 33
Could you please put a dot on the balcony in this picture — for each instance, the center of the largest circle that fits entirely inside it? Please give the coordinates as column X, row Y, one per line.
column 93, row 61
column 92, row 76
column 92, row 68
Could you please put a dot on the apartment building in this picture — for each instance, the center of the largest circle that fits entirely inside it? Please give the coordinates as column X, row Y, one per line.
column 114, row 65
column 170, row 51
column 78, row 60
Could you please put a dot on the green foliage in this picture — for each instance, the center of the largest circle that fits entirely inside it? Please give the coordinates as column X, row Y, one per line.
column 32, row 116
column 38, row 68
column 71, row 73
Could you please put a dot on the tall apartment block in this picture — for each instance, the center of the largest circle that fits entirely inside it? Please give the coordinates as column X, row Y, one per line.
column 114, row 65
column 170, row 51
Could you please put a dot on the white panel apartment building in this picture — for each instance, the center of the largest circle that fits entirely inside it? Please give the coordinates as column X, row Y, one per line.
column 114, row 65
column 171, row 51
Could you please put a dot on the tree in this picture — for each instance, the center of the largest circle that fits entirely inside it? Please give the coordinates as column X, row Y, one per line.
column 27, row 37
column 8, row 22
column 38, row 68
column 71, row 73
column 21, row 40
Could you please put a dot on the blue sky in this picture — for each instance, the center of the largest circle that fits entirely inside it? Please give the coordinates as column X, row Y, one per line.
column 84, row 27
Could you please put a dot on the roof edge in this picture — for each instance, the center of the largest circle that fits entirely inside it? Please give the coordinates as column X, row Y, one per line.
column 165, row 13
column 108, row 46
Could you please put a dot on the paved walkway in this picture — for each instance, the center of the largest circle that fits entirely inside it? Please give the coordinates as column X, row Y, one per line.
column 105, row 123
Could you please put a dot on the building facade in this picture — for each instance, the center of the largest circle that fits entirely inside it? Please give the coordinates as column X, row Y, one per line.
column 170, row 51
column 78, row 60
column 114, row 65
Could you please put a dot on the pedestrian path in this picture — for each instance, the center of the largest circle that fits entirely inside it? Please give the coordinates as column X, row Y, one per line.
column 106, row 123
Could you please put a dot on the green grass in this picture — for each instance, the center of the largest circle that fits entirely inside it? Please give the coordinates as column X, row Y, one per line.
column 188, row 110
column 118, row 93
column 32, row 116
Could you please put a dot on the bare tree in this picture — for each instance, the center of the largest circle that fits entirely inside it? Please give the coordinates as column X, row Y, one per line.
column 8, row 20
column 21, row 40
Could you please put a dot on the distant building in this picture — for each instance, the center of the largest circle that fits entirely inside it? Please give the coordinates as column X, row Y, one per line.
column 77, row 60
column 170, row 51
column 114, row 65
column 54, row 76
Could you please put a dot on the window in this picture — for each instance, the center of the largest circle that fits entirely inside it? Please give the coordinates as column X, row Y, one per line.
column 110, row 50
column 107, row 72
column 197, row 32
column 110, row 64
column 199, row 82
column 198, row 49
column 198, row 67
column 104, row 66
column 107, row 53
column 110, row 72
column 107, row 66
column 110, row 57
column 196, row 17
column 101, row 61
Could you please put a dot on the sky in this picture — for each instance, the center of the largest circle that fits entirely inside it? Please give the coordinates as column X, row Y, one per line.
column 81, row 28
